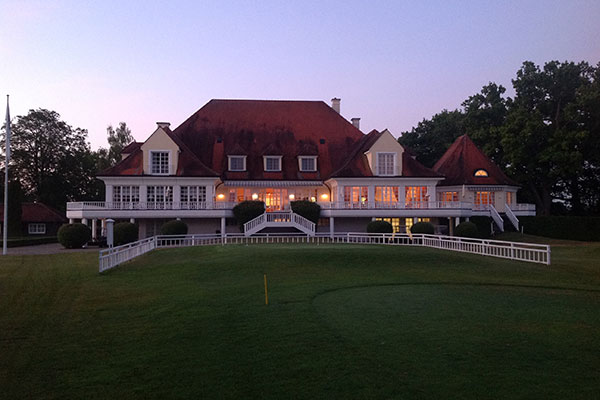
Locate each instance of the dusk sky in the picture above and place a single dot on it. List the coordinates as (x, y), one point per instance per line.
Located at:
(392, 63)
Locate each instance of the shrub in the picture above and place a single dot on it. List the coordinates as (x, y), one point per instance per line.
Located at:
(247, 211)
(563, 227)
(379, 227)
(484, 226)
(74, 236)
(175, 227)
(307, 209)
(466, 229)
(422, 227)
(125, 232)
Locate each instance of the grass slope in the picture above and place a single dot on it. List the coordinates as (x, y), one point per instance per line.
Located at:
(344, 321)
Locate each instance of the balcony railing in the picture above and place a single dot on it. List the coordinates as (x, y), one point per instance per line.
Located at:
(149, 205)
(395, 205)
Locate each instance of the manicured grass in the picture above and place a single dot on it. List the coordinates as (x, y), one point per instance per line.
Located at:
(343, 321)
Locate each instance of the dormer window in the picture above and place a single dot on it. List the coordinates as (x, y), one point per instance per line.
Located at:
(237, 163)
(159, 162)
(386, 164)
(481, 173)
(307, 163)
(272, 163)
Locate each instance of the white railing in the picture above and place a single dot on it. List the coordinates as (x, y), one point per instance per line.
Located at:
(512, 217)
(496, 217)
(523, 207)
(149, 205)
(255, 223)
(284, 218)
(394, 205)
(528, 252)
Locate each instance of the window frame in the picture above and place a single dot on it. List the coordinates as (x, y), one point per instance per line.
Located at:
(484, 171)
(266, 162)
(35, 231)
(394, 163)
(302, 158)
(231, 157)
(151, 164)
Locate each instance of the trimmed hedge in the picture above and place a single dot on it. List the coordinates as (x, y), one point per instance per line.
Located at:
(125, 232)
(467, 229)
(74, 236)
(423, 227)
(29, 241)
(379, 227)
(569, 228)
(175, 227)
(307, 209)
(247, 211)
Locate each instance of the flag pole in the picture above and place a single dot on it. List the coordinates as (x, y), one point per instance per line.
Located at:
(6, 160)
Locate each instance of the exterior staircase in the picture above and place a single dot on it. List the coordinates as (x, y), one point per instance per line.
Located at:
(279, 219)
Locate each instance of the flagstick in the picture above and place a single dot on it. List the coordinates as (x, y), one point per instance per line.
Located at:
(5, 233)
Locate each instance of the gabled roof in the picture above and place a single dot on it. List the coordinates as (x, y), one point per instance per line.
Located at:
(131, 147)
(462, 159)
(37, 212)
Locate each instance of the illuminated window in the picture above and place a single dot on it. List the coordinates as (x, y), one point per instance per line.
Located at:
(356, 194)
(483, 198)
(415, 195)
(509, 198)
(408, 222)
(481, 172)
(449, 196)
(395, 222)
(386, 194)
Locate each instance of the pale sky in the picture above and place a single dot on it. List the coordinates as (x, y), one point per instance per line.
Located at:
(392, 63)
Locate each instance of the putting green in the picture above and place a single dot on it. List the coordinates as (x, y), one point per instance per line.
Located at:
(436, 339)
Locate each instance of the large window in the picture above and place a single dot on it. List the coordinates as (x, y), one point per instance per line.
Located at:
(237, 163)
(126, 194)
(159, 162)
(386, 194)
(308, 164)
(191, 196)
(415, 196)
(36, 229)
(272, 163)
(356, 195)
(160, 197)
(386, 163)
(484, 198)
(448, 196)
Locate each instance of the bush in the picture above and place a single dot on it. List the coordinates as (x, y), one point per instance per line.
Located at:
(484, 226)
(175, 227)
(247, 211)
(380, 227)
(466, 229)
(422, 227)
(570, 228)
(74, 236)
(125, 232)
(307, 209)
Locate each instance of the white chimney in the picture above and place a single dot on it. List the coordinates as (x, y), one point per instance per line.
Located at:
(356, 123)
(335, 104)
(163, 124)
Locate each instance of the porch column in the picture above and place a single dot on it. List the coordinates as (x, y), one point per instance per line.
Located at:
(71, 220)
(402, 195)
(177, 197)
(371, 196)
(103, 227)
(84, 221)
(331, 227)
(109, 193)
(132, 220)
(456, 221)
(450, 226)
(223, 227)
(94, 229)
(210, 194)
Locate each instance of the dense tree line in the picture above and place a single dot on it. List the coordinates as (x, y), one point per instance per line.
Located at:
(547, 137)
(52, 162)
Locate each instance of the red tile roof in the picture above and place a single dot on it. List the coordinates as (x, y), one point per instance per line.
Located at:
(462, 159)
(131, 147)
(37, 212)
(268, 127)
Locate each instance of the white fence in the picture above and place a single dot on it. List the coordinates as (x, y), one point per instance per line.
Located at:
(529, 252)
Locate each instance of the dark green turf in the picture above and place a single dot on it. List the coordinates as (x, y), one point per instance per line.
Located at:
(344, 321)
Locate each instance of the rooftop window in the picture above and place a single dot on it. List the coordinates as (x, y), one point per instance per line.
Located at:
(272, 163)
(159, 162)
(481, 172)
(237, 163)
(307, 164)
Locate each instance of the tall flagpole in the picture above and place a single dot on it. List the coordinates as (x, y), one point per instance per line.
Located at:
(6, 160)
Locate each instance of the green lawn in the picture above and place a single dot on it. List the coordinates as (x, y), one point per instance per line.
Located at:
(344, 321)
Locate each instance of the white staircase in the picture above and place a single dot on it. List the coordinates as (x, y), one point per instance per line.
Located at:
(512, 217)
(496, 217)
(279, 219)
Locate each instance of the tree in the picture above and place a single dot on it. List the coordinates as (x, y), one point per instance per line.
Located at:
(15, 202)
(54, 160)
(431, 138)
(117, 140)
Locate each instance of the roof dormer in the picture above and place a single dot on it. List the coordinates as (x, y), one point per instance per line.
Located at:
(385, 156)
(161, 153)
